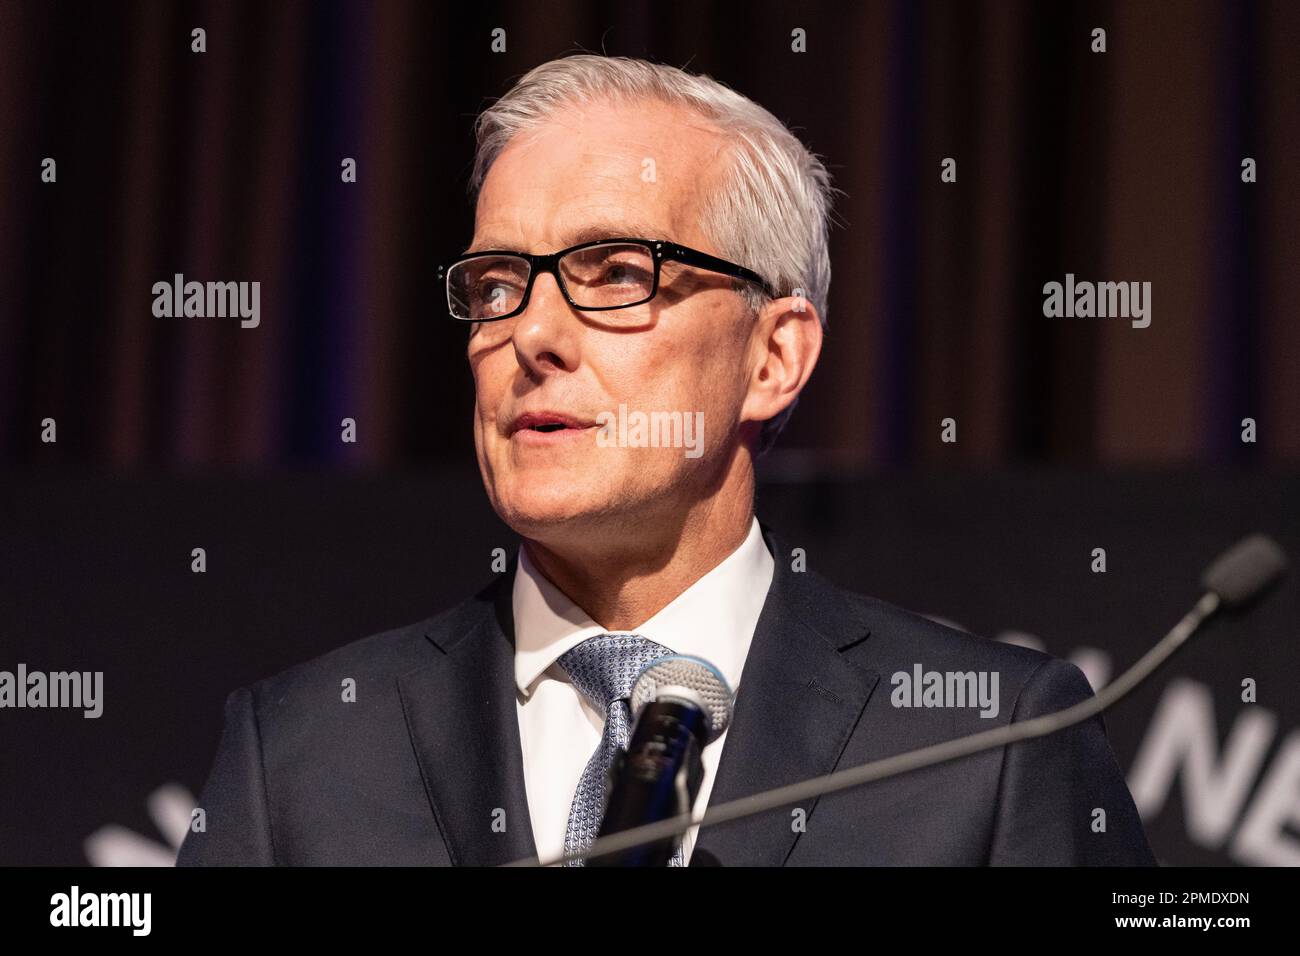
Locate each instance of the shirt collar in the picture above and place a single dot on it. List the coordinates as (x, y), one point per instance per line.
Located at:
(714, 618)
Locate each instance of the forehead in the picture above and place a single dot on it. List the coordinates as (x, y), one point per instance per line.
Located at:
(601, 169)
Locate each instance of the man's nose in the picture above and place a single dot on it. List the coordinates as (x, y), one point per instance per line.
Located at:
(545, 333)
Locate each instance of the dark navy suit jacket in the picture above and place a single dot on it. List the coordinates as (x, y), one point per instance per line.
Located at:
(425, 767)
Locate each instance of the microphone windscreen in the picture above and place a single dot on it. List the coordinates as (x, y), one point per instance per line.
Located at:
(1245, 571)
(701, 680)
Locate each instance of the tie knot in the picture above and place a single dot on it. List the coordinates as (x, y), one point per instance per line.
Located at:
(604, 667)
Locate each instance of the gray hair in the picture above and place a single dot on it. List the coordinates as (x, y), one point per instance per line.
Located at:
(773, 212)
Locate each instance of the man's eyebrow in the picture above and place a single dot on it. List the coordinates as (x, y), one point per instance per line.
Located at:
(587, 233)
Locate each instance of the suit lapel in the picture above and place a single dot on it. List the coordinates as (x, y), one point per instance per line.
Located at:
(798, 702)
(460, 712)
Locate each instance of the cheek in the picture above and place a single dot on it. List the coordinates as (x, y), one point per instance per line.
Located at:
(491, 378)
(487, 394)
(684, 372)
(715, 377)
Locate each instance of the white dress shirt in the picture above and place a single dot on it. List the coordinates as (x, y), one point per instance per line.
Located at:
(559, 729)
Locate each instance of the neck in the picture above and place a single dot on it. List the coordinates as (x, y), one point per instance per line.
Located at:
(624, 578)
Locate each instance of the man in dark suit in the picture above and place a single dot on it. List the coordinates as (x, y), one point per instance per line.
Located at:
(646, 294)
(424, 765)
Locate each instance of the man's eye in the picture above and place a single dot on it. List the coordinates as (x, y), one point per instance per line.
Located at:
(621, 273)
(495, 288)
(495, 296)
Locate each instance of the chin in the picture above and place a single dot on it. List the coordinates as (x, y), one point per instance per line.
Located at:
(545, 509)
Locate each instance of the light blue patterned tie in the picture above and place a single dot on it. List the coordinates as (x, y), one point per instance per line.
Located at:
(603, 669)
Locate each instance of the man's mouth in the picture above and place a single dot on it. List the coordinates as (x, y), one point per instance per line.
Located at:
(547, 423)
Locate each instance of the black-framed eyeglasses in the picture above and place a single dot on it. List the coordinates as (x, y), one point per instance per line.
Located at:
(594, 276)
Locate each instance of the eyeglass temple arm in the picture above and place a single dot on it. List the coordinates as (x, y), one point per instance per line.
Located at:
(703, 260)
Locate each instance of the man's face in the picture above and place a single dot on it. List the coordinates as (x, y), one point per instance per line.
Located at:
(639, 171)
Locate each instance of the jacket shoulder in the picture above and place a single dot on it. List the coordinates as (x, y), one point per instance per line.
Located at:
(899, 640)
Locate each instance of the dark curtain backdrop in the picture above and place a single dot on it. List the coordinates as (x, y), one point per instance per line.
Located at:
(225, 165)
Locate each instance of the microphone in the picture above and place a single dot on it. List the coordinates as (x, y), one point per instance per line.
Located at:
(1236, 579)
(680, 704)
(1245, 571)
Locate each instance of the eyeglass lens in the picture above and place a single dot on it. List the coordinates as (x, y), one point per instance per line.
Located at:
(596, 277)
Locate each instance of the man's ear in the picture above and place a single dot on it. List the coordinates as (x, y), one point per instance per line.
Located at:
(786, 343)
